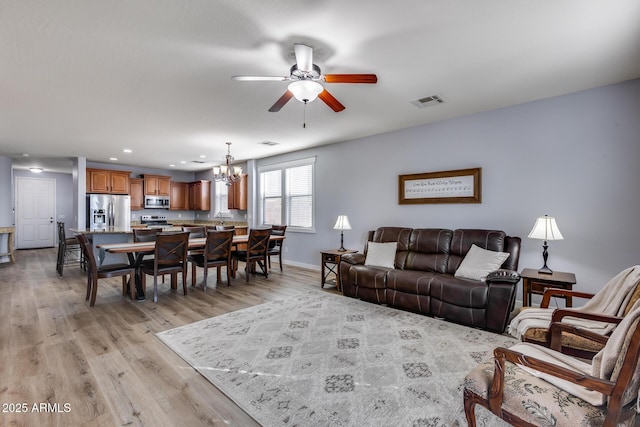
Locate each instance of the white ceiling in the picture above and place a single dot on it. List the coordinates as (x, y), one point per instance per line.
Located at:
(90, 78)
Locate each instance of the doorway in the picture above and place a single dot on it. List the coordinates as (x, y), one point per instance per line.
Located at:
(35, 212)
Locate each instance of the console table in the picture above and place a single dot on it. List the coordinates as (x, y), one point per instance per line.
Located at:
(535, 283)
(330, 262)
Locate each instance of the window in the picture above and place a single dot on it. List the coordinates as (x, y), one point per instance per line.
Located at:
(222, 197)
(286, 194)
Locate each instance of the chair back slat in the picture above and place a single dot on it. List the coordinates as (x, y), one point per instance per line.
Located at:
(195, 232)
(218, 246)
(258, 243)
(145, 234)
(171, 248)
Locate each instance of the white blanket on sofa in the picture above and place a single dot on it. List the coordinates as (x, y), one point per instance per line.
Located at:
(610, 300)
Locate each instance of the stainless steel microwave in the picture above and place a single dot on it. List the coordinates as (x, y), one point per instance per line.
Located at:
(156, 202)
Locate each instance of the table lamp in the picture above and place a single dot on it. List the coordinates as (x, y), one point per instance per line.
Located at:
(342, 224)
(545, 229)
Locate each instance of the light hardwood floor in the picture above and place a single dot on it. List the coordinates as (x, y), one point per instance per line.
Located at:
(69, 365)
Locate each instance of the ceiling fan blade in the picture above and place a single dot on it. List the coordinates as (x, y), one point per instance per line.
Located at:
(350, 78)
(331, 101)
(304, 57)
(280, 102)
(260, 78)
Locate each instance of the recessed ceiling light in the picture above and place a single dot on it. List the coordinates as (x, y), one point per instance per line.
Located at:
(25, 155)
(183, 162)
(36, 170)
(113, 158)
(172, 166)
(127, 150)
(202, 156)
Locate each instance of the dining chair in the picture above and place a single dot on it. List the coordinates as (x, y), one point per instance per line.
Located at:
(256, 252)
(69, 250)
(104, 271)
(275, 246)
(532, 385)
(217, 253)
(145, 234)
(169, 257)
(195, 231)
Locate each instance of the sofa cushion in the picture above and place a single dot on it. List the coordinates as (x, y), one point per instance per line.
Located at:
(381, 254)
(410, 281)
(478, 263)
(368, 277)
(492, 240)
(458, 291)
(395, 234)
(429, 250)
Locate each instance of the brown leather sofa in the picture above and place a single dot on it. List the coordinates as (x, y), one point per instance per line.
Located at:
(423, 278)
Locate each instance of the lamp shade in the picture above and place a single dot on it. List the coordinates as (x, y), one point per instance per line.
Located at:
(545, 228)
(342, 223)
(305, 90)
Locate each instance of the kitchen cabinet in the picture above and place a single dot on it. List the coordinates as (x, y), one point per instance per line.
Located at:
(179, 196)
(136, 190)
(157, 185)
(237, 198)
(104, 181)
(200, 195)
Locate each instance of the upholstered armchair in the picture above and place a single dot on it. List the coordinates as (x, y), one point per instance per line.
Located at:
(600, 315)
(531, 385)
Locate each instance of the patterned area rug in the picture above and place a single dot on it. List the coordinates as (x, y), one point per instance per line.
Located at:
(325, 360)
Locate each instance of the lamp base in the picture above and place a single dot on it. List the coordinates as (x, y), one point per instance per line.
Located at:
(545, 270)
(342, 248)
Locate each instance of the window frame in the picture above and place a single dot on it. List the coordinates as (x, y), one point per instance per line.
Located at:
(284, 197)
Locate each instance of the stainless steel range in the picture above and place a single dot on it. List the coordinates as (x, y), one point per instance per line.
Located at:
(154, 221)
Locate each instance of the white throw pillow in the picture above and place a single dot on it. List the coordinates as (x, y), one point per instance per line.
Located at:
(478, 263)
(381, 254)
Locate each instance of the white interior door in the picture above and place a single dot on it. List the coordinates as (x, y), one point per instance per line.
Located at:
(35, 212)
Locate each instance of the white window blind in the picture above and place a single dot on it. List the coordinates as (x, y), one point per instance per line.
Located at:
(286, 194)
(222, 197)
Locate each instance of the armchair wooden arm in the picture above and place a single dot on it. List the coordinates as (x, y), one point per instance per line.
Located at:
(549, 292)
(502, 354)
(555, 335)
(561, 313)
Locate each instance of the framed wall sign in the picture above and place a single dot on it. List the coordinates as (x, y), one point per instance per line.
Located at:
(457, 186)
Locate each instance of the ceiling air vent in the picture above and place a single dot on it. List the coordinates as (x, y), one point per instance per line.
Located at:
(200, 162)
(428, 100)
(268, 143)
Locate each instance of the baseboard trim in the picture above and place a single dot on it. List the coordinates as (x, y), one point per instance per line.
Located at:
(300, 264)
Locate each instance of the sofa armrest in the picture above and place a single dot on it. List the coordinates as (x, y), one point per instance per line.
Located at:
(503, 275)
(355, 258)
(502, 286)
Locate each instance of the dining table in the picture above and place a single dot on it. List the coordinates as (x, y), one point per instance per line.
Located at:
(136, 251)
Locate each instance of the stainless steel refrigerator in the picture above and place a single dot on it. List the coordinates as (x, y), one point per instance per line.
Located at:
(108, 211)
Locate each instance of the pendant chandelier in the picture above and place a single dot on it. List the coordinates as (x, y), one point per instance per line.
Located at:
(223, 173)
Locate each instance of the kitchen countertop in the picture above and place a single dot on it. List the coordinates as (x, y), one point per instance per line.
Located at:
(175, 226)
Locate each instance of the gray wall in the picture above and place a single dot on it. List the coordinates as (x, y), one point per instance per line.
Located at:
(573, 157)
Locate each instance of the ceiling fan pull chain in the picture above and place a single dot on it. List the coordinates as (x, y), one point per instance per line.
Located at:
(304, 115)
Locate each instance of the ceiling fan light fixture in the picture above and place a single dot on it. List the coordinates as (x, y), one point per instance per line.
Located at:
(305, 90)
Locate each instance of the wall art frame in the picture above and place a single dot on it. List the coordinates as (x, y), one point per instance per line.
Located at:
(454, 186)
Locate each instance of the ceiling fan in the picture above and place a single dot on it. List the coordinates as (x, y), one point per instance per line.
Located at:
(305, 77)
